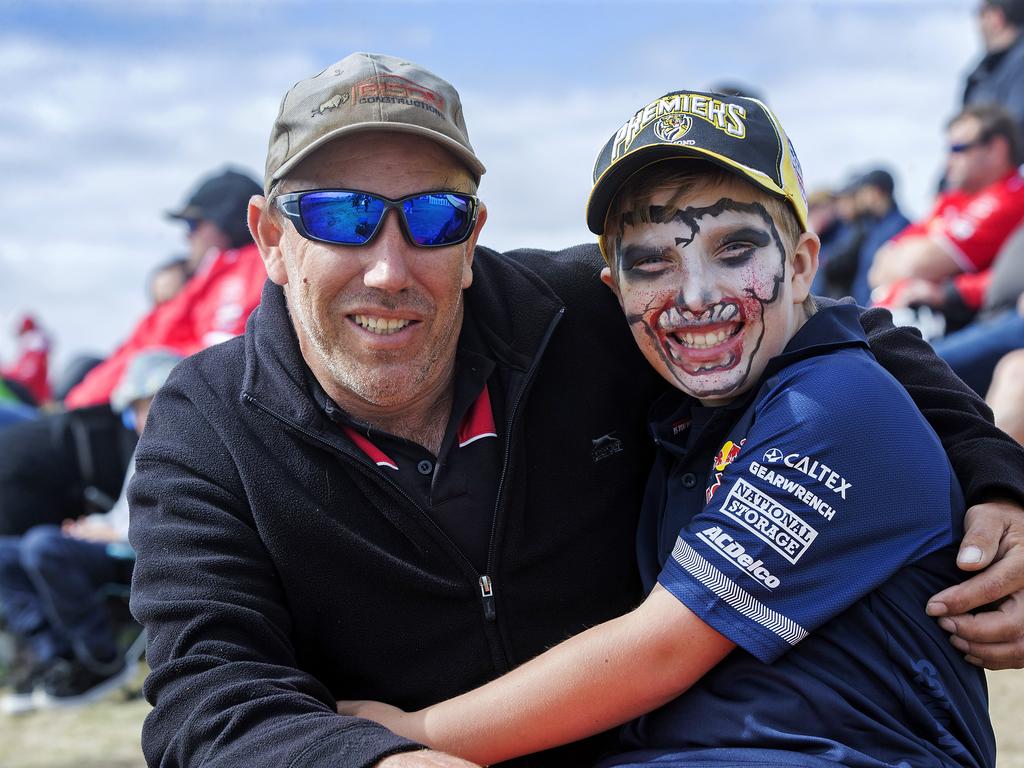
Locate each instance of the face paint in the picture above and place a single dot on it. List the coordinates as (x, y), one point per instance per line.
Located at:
(705, 292)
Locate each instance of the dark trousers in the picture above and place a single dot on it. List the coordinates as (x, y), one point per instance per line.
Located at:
(52, 592)
(973, 352)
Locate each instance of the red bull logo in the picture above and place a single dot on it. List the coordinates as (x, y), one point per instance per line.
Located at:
(726, 454)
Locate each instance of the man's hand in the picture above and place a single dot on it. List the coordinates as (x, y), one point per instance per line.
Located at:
(993, 541)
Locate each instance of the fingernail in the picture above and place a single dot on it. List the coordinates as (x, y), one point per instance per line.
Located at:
(935, 608)
(960, 644)
(947, 625)
(970, 555)
(974, 660)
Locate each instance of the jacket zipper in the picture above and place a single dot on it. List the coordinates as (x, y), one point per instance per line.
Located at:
(484, 581)
(362, 461)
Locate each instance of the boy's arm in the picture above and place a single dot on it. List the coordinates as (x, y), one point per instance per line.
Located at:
(598, 679)
(990, 467)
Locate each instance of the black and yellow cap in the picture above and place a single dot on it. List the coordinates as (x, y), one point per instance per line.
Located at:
(738, 133)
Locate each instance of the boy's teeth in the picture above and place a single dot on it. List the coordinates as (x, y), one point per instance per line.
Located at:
(702, 340)
(729, 312)
(380, 325)
(671, 318)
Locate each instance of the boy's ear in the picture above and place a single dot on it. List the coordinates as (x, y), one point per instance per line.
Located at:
(805, 265)
(607, 279)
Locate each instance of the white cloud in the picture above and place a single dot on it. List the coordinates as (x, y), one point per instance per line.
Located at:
(97, 141)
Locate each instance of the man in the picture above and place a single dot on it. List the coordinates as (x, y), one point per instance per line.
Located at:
(876, 202)
(226, 277)
(167, 279)
(999, 76)
(945, 257)
(419, 467)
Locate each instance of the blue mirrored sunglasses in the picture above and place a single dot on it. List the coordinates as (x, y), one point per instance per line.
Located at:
(351, 217)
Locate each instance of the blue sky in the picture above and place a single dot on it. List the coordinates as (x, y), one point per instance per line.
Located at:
(112, 110)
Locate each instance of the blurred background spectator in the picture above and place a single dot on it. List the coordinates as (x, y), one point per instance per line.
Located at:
(52, 582)
(31, 366)
(999, 76)
(69, 463)
(943, 261)
(167, 280)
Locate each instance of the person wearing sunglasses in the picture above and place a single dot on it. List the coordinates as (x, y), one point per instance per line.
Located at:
(945, 257)
(424, 461)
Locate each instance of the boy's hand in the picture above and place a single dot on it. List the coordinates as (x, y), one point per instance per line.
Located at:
(424, 758)
(407, 724)
(993, 541)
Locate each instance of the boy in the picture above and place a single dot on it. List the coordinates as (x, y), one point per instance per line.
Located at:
(813, 537)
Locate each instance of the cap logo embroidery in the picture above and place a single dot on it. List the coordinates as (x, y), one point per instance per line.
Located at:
(392, 89)
(672, 128)
(332, 103)
(728, 118)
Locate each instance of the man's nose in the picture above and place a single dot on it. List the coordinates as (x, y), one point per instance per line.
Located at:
(388, 257)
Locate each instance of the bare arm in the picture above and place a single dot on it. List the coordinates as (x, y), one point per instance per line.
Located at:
(593, 681)
(916, 256)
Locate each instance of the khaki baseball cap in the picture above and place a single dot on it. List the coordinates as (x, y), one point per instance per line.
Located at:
(367, 92)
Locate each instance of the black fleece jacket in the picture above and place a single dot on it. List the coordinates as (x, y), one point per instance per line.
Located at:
(279, 570)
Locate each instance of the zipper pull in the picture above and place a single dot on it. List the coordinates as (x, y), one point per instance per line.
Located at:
(487, 595)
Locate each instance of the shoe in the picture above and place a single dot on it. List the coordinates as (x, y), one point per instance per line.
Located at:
(72, 683)
(25, 677)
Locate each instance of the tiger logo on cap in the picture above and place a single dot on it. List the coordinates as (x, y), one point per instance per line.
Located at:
(672, 128)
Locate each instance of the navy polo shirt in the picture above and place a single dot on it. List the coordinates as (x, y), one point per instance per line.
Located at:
(809, 521)
(458, 487)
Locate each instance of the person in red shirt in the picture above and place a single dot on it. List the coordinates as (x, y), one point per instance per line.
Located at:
(55, 467)
(227, 278)
(31, 368)
(944, 258)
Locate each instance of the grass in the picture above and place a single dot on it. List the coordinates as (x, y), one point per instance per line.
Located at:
(106, 734)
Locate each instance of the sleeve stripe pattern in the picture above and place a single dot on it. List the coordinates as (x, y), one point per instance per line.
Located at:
(737, 598)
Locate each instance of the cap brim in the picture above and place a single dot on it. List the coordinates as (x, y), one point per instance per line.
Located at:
(612, 180)
(464, 155)
(188, 213)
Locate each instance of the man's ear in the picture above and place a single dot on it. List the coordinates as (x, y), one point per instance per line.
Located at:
(805, 265)
(481, 219)
(266, 231)
(607, 279)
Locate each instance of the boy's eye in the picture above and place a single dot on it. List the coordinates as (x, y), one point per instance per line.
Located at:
(737, 253)
(649, 262)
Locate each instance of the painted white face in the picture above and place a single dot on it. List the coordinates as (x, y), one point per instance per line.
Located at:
(706, 293)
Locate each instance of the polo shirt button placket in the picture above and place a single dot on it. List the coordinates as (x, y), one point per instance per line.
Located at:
(425, 467)
(689, 480)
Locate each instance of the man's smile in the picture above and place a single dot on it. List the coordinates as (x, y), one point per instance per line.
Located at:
(383, 326)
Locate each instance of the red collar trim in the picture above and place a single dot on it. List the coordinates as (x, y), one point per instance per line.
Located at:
(479, 421)
(375, 454)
